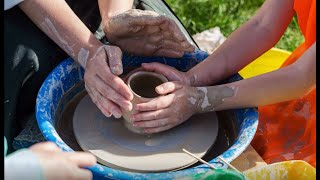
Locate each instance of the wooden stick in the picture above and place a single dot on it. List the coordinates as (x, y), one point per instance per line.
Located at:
(228, 164)
(204, 162)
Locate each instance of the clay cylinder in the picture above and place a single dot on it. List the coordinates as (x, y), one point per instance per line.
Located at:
(142, 84)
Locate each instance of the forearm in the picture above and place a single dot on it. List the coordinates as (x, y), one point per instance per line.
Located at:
(244, 45)
(57, 20)
(284, 84)
(109, 8)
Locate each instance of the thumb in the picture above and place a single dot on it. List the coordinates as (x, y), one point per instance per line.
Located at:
(168, 87)
(168, 71)
(115, 59)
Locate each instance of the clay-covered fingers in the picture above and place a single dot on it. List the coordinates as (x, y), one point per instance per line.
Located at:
(102, 103)
(150, 115)
(113, 81)
(111, 94)
(168, 53)
(152, 123)
(170, 72)
(156, 104)
(171, 31)
(115, 59)
(171, 44)
(139, 17)
(168, 87)
(145, 31)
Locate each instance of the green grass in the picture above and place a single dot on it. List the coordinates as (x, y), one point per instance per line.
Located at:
(199, 15)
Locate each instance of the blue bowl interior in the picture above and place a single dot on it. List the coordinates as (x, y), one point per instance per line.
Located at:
(56, 90)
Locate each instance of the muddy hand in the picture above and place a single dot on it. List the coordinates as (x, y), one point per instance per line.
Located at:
(168, 111)
(105, 88)
(146, 33)
(169, 72)
(56, 164)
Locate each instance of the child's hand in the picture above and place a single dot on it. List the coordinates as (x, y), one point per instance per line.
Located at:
(169, 72)
(62, 165)
(167, 111)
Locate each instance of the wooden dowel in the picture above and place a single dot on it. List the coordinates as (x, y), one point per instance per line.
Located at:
(228, 164)
(204, 162)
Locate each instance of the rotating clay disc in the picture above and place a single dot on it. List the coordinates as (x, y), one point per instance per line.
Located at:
(117, 147)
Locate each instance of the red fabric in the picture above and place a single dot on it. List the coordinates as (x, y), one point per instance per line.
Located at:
(287, 130)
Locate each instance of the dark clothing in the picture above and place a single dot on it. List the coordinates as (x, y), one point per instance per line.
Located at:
(30, 56)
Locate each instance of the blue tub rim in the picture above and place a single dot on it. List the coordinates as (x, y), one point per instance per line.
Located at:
(69, 71)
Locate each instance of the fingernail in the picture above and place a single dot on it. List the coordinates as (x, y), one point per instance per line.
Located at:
(116, 114)
(159, 88)
(117, 70)
(108, 114)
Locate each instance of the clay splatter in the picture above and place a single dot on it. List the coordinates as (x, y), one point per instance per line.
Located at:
(48, 27)
(83, 57)
(192, 100)
(205, 102)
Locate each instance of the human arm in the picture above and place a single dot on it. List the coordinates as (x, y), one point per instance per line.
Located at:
(46, 161)
(287, 83)
(290, 82)
(141, 32)
(57, 20)
(244, 45)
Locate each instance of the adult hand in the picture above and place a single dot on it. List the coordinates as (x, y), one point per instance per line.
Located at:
(167, 111)
(106, 89)
(146, 33)
(57, 164)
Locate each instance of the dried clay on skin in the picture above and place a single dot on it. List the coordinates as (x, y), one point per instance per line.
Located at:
(48, 27)
(215, 96)
(83, 57)
(205, 102)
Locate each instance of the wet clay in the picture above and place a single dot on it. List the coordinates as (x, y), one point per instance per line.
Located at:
(227, 133)
(145, 85)
(117, 147)
(142, 85)
(63, 122)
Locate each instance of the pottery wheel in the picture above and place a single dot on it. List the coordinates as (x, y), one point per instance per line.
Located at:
(116, 147)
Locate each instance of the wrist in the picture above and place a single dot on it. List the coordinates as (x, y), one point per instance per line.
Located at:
(108, 21)
(199, 96)
(190, 78)
(88, 52)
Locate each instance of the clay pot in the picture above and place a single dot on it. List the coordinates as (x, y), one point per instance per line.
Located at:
(142, 84)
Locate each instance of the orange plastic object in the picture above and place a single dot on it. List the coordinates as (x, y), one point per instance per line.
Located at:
(287, 130)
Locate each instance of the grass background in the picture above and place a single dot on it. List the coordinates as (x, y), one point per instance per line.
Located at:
(200, 15)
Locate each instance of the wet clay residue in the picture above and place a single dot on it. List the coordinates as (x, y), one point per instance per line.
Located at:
(226, 135)
(64, 124)
(138, 85)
